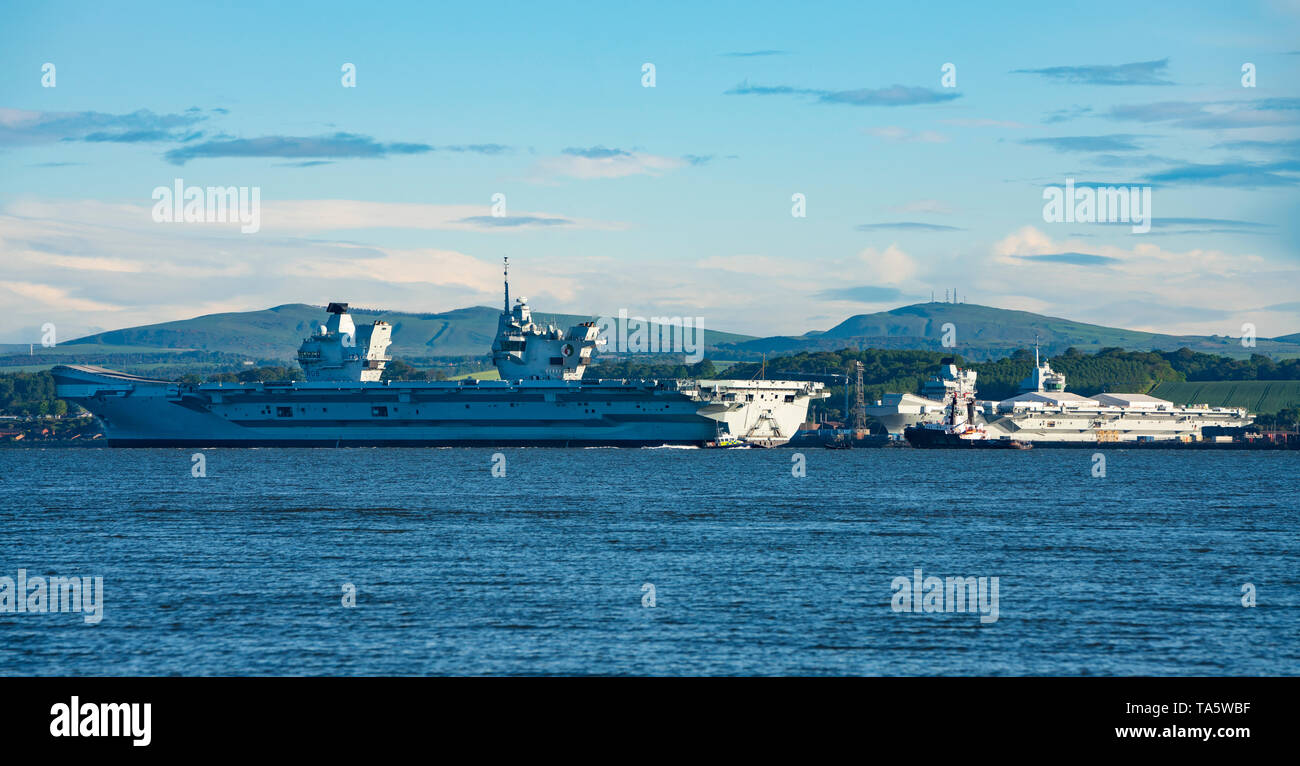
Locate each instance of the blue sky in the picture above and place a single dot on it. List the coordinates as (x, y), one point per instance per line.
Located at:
(671, 200)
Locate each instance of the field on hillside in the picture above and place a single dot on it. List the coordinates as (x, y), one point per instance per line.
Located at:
(1266, 396)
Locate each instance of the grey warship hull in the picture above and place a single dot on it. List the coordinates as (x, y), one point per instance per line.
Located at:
(141, 412)
(541, 400)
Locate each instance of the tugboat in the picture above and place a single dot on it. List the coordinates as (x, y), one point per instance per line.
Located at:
(959, 429)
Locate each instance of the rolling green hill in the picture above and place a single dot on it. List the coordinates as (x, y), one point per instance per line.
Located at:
(984, 332)
(1255, 395)
(277, 332)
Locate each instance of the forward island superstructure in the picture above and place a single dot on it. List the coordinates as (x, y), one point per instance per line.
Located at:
(541, 400)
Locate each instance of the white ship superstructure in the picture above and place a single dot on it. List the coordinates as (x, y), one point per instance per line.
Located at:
(542, 399)
(1044, 412)
(524, 350)
(339, 351)
(961, 425)
(898, 411)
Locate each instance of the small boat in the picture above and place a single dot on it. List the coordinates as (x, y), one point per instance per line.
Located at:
(1004, 443)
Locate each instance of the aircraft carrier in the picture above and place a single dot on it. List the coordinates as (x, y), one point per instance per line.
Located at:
(541, 399)
(1044, 414)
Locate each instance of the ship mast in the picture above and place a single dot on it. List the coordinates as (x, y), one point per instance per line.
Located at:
(859, 405)
(505, 277)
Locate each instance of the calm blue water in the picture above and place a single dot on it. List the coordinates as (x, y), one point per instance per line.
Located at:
(755, 571)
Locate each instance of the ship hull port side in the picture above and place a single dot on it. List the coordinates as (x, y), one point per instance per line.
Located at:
(541, 399)
(145, 413)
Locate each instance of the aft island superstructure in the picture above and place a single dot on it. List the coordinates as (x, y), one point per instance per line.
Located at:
(542, 399)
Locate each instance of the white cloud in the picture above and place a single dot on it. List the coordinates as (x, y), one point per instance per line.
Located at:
(115, 268)
(891, 266)
(618, 165)
(317, 215)
(326, 215)
(94, 265)
(50, 296)
(1198, 291)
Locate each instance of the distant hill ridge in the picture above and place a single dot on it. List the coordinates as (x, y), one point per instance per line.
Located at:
(980, 332)
(278, 331)
(986, 332)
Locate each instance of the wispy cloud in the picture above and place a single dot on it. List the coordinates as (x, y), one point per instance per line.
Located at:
(1073, 259)
(313, 217)
(1067, 114)
(1175, 226)
(337, 146)
(1115, 142)
(516, 221)
(132, 137)
(895, 95)
(1136, 73)
(745, 89)
(1213, 115)
(20, 127)
(1140, 283)
(604, 162)
(1209, 222)
(905, 226)
(1130, 160)
(476, 148)
(1286, 146)
(862, 294)
(596, 152)
(1243, 175)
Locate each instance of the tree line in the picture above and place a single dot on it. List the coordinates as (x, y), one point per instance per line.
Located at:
(884, 371)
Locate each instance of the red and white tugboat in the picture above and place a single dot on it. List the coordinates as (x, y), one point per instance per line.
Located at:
(960, 427)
